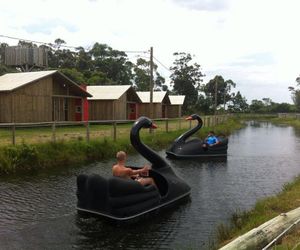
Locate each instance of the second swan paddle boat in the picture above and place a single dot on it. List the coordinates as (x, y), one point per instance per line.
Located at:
(123, 199)
(193, 148)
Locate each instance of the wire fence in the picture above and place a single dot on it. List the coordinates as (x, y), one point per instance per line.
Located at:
(273, 244)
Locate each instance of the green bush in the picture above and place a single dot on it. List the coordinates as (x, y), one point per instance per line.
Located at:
(21, 157)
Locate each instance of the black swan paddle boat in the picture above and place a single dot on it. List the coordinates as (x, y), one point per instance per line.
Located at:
(122, 199)
(193, 148)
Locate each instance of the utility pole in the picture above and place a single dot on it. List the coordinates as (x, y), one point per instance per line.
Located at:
(151, 83)
(216, 99)
(216, 94)
(225, 92)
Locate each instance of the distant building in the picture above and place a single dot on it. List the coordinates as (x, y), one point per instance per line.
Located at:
(26, 58)
(160, 102)
(175, 108)
(40, 96)
(113, 102)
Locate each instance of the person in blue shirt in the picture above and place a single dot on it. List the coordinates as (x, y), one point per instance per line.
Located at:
(210, 140)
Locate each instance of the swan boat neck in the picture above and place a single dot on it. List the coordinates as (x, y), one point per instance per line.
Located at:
(184, 147)
(120, 199)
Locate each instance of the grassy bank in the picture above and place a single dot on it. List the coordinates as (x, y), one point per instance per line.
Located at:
(288, 121)
(32, 157)
(266, 209)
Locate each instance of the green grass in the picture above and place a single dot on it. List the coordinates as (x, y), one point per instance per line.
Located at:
(79, 132)
(27, 157)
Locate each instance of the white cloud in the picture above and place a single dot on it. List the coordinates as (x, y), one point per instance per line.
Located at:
(253, 42)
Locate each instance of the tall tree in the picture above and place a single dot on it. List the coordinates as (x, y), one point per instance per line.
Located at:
(218, 87)
(238, 103)
(257, 106)
(186, 78)
(113, 63)
(142, 76)
(296, 94)
(83, 59)
(60, 58)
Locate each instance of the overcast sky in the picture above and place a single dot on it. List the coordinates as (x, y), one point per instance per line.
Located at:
(255, 43)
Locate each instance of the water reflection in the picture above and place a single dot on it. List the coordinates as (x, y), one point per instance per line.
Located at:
(147, 233)
(38, 211)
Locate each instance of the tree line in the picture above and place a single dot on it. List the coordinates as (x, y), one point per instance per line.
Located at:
(103, 65)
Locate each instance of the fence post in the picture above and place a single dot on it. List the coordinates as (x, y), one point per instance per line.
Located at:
(167, 125)
(87, 131)
(53, 132)
(115, 131)
(13, 134)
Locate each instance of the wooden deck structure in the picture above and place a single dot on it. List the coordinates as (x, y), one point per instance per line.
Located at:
(113, 102)
(160, 102)
(40, 96)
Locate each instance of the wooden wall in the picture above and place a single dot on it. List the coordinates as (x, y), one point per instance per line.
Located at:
(174, 111)
(108, 109)
(60, 89)
(33, 102)
(121, 108)
(5, 107)
(59, 113)
(101, 110)
(144, 110)
(17, 55)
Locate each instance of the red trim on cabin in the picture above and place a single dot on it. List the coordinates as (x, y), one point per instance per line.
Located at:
(85, 105)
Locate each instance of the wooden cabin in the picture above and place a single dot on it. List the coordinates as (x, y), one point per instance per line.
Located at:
(41, 96)
(174, 109)
(113, 102)
(160, 101)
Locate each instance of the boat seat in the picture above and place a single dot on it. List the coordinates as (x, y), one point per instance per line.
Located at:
(115, 195)
(128, 197)
(223, 140)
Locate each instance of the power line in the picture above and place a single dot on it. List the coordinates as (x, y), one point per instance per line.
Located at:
(132, 51)
(32, 41)
(163, 65)
(62, 45)
(74, 47)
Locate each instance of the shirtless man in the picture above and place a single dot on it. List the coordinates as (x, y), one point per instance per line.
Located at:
(120, 170)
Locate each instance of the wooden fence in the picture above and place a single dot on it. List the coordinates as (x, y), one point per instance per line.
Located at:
(14, 133)
(289, 115)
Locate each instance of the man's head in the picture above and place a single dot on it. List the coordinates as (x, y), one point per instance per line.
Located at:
(121, 156)
(211, 133)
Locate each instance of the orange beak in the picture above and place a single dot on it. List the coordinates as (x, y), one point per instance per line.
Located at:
(189, 118)
(153, 125)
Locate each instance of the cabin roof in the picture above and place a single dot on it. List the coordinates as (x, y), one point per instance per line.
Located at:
(177, 99)
(158, 96)
(110, 92)
(12, 81)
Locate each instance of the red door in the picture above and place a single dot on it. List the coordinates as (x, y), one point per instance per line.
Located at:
(132, 114)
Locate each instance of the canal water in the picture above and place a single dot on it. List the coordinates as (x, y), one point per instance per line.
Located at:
(39, 212)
